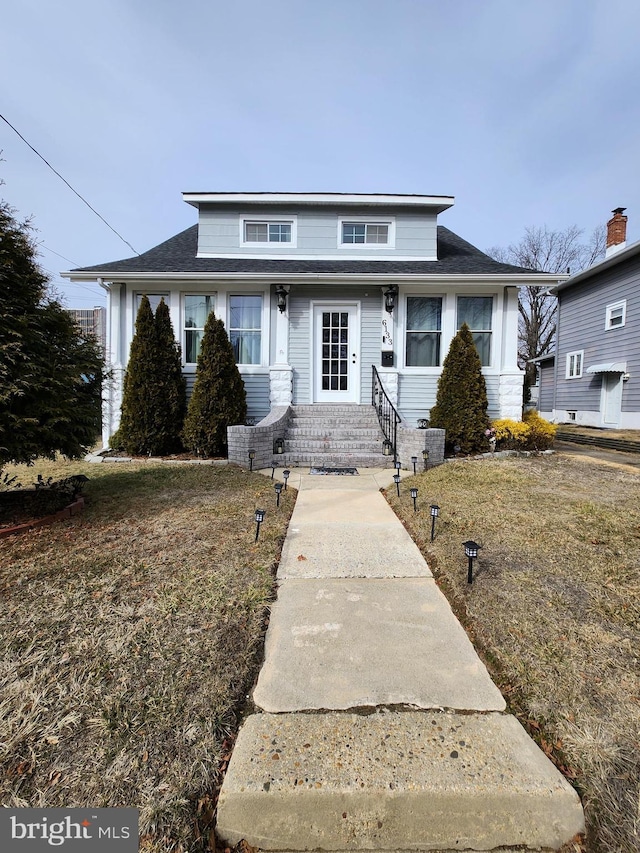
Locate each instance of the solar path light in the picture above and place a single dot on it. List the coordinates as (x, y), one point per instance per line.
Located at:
(273, 467)
(259, 520)
(278, 487)
(397, 465)
(252, 456)
(471, 549)
(414, 496)
(285, 474)
(396, 480)
(414, 460)
(434, 509)
(425, 458)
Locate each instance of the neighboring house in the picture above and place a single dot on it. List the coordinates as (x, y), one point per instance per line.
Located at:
(93, 322)
(315, 290)
(593, 378)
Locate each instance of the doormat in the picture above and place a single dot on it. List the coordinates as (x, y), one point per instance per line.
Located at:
(339, 471)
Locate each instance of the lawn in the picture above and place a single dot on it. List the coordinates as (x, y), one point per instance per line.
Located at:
(130, 637)
(554, 610)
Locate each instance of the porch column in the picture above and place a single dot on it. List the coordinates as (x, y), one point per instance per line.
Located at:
(281, 373)
(511, 377)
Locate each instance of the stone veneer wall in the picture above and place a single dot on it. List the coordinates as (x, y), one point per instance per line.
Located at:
(511, 395)
(242, 439)
(411, 442)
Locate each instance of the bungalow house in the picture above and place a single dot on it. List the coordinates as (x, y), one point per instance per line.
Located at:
(330, 300)
(593, 378)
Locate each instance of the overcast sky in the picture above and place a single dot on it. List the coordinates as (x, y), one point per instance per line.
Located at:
(527, 112)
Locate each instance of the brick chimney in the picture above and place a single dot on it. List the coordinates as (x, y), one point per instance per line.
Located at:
(616, 231)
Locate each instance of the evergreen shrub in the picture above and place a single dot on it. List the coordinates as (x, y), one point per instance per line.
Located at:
(531, 433)
(219, 399)
(461, 401)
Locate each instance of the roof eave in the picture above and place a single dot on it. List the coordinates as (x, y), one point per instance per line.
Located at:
(601, 266)
(437, 203)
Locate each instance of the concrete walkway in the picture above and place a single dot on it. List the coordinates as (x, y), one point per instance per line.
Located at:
(380, 728)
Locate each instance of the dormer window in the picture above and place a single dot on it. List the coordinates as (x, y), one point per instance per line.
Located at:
(373, 233)
(269, 231)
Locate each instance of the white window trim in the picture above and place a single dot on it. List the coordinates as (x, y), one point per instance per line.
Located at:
(491, 332)
(613, 306)
(373, 220)
(183, 336)
(416, 368)
(573, 355)
(264, 327)
(284, 220)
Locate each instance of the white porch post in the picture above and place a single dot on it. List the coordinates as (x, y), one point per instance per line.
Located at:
(511, 377)
(281, 373)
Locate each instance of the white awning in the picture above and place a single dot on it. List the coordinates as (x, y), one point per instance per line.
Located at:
(612, 367)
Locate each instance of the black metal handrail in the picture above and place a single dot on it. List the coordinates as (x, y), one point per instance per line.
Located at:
(388, 417)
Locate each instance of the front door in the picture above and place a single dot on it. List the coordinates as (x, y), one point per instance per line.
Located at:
(611, 402)
(336, 348)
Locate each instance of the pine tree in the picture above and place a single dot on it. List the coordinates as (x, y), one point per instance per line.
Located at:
(171, 386)
(219, 398)
(137, 431)
(50, 374)
(461, 401)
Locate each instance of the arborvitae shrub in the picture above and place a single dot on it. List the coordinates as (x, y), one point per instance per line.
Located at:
(155, 393)
(461, 401)
(171, 386)
(219, 399)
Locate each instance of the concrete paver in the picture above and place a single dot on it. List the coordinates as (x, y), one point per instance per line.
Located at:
(389, 781)
(347, 643)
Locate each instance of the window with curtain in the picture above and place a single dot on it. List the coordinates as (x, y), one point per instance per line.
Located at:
(423, 331)
(476, 312)
(197, 308)
(245, 328)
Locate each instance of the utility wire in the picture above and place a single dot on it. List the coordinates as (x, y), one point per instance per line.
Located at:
(37, 153)
(42, 246)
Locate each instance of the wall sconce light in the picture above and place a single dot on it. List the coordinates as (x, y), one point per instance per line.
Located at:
(414, 496)
(390, 296)
(434, 509)
(252, 456)
(281, 295)
(425, 458)
(414, 462)
(259, 519)
(278, 487)
(285, 474)
(396, 480)
(278, 446)
(387, 447)
(471, 549)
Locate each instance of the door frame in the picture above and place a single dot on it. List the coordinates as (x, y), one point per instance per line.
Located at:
(611, 393)
(317, 306)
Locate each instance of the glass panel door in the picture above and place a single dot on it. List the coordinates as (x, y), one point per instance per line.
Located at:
(336, 354)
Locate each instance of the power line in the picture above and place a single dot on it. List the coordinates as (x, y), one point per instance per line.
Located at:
(37, 153)
(42, 246)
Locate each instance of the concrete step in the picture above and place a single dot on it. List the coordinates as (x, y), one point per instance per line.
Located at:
(321, 445)
(331, 459)
(334, 433)
(332, 409)
(334, 423)
(425, 780)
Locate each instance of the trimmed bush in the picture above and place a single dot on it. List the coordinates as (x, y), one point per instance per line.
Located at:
(154, 393)
(532, 433)
(219, 399)
(461, 402)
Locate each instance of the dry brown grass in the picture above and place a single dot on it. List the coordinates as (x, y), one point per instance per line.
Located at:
(554, 609)
(130, 637)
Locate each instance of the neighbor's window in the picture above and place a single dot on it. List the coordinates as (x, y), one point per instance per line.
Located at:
(476, 312)
(154, 300)
(574, 364)
(424, 327)
(616, 314)
(373, 233)
(197, 308)
(245, 323)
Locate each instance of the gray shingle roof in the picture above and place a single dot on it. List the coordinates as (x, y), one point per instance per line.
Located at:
(178, 254)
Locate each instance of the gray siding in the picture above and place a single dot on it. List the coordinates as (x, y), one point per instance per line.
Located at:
(545, 401)
(417, 395)
(219, 232)
(257, 388)
(581, 326)
(300, 339)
